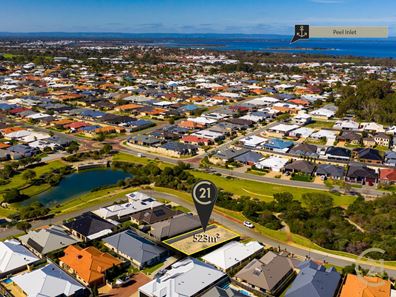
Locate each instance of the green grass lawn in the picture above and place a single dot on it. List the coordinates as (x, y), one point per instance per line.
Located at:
(17, 181)
(320, 124)
(264, 191)
(279, 235)
(91, 199)
(122, 157)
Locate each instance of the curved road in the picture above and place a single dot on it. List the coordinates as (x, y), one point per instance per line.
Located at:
(301, 252)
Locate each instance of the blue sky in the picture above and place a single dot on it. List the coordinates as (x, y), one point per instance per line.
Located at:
(190, 16)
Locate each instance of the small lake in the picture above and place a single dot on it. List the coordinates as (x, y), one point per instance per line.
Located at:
(78, 183)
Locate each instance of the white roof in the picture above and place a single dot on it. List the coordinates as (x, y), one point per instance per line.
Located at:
(232, 253)
(14, 255)
(373, 127)
(346, 125)
(208, 134)
(185, 278)
(229, 94)
(18, 134)
(265, 100)
(34, 136)
(324, 133)
(302, 132)
(49, 280)
(274, 163)
(283, 128)
(202, 120)
(38, 115)
(137, 202)
(323, 112)
(253, 118)
(253, 140)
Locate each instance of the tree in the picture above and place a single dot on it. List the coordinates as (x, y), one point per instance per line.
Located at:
(29, 175)
(23, 226)
(317, 202)
(12, 195)
(107, 148)
(73, 147)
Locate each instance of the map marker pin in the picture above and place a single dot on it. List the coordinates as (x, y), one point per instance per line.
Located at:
(204, 194)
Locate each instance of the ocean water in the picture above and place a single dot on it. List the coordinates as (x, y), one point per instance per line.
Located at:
(380, 48)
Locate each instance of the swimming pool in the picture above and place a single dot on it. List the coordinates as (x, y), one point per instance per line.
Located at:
(7, 281)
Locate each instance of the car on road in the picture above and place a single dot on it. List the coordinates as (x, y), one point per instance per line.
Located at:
(248, 224)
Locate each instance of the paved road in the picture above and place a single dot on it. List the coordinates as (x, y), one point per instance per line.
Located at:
(227, 172)
(301, 252)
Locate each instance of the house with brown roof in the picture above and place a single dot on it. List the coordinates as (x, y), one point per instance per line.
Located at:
(269, 275)
(382, 139)
(365, 286)
(88, 265)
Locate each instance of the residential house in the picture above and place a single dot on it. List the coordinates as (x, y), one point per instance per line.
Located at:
(382, 139)
(268, 275)
(144, 140)
(249, 158)
(220, 292)
(140, 251)
(49, 280)
(47, 240)
(338, 153)
(252, 141)
(359, 173)
(369, 141)
(192, 139)
(273, 163)
(347, 125)
(302, 166)
(88, 265)
(14, 257)
(227, 155)
(323, 113)
(89, 226)
(281, 130)
(330, 171)
(371, 286)
(314, 280)
(154, 215)
(390, 158)
(181, 280)
(305, 150)
(350, 137)
(137, 203)
(232, 254)
(177, 149)
(387, 175)
(20, 151)
(302, 119)
(302, 132)
(177, 225)
(278, 145)
(368, 155)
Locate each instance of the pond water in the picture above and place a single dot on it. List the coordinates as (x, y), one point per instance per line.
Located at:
(76, 184)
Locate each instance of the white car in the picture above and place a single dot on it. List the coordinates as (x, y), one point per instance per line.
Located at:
(248, 224)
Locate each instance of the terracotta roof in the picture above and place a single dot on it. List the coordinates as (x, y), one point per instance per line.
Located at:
(89, 263)
(356, 287)
(11, 129)
(388, 174)
(4, 145)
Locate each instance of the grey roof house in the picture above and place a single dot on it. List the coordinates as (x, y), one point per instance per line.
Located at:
(220, 292)
(140, 251)
(300, 166)
(47, 240)
(270, 274)
(305, 149)
(175, 226)
(330, 171)
(314, 280)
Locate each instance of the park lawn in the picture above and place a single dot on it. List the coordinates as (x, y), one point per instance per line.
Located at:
(123, 157)
(35, 190)
(8, 56)
(5, 212)
(265, 191)
(17, 181)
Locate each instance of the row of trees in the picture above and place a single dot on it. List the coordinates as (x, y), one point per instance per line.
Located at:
(370, 100)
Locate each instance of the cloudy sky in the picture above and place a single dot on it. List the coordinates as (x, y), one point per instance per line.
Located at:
(191, 16)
